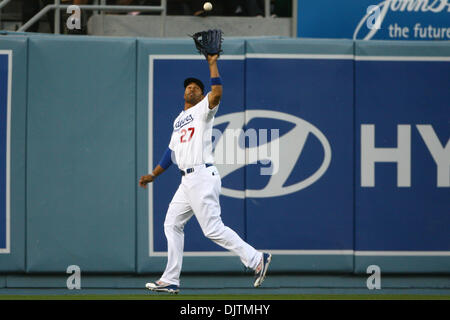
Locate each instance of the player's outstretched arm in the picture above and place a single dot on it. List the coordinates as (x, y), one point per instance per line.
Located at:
(216, 84)
(148, 178)
(166, 161)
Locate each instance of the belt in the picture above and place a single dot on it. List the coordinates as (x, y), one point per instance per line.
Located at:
(190, 170)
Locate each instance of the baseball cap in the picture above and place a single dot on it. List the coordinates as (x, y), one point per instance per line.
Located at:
(196, 81)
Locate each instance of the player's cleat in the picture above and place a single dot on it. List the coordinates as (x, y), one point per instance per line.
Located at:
(162, 287)
(261, 273)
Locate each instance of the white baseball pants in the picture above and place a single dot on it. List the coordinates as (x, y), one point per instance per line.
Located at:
(198, 194)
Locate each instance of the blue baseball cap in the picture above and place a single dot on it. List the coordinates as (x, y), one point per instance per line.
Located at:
(196, 81)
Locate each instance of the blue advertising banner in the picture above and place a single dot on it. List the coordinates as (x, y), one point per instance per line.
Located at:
(5, 100)
(374, 19)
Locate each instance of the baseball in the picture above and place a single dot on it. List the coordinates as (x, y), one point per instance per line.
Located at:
(207, 6)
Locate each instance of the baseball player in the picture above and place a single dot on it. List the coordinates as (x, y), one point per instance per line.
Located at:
(199, 190)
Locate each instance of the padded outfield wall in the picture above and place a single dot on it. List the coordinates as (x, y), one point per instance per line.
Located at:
(362, 174)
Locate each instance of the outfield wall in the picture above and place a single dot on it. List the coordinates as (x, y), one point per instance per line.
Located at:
(362, 174)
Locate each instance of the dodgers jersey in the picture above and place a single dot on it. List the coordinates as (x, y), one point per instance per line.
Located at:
(192, 134)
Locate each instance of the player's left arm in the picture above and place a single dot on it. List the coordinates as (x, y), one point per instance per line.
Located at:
(216, 84)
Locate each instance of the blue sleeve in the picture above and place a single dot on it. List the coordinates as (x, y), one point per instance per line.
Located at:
(166, 159)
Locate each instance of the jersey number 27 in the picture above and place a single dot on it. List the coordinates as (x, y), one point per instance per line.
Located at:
(184, 133)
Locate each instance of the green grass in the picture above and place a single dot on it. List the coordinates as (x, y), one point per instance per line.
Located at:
(229, 297)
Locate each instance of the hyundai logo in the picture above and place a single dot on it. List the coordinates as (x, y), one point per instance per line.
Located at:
(289, 145)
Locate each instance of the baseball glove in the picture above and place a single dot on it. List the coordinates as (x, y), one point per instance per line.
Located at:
(208, 42)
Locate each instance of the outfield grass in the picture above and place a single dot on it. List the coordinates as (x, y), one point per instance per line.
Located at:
(230, 297)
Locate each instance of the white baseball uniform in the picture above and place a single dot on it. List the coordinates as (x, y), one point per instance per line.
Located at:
(198, 192)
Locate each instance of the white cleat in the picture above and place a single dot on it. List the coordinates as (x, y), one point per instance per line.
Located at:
(162, 287)
(261, 274)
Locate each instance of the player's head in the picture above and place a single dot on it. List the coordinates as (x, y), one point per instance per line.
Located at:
(193, 90)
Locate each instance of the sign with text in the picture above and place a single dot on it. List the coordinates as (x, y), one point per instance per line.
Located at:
(375, 19)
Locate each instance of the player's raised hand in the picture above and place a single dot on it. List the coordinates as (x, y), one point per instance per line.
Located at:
(212, 58)
(144, 180)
